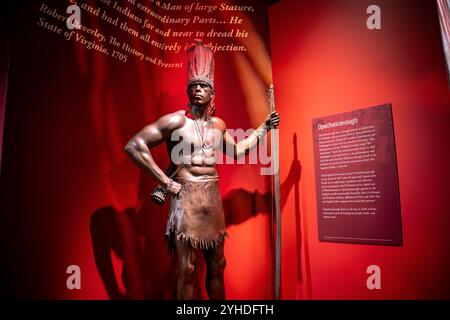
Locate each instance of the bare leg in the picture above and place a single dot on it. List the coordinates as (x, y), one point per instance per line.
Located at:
(186, 269)
(215, 266)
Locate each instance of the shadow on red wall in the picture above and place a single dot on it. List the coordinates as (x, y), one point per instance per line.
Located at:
(135, 240)
(326, 61)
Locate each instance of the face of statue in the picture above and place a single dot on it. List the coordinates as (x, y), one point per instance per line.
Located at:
(200, 94)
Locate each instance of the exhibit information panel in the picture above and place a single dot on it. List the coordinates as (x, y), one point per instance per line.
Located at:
(358, 198)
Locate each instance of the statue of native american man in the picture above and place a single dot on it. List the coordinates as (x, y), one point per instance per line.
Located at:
(196, 222)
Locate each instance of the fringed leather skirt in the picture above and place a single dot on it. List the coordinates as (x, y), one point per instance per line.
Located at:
(196, 215)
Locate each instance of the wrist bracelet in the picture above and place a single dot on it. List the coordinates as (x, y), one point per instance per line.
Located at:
(261, 132)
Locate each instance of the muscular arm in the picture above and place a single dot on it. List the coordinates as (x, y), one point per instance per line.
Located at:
(138, 148)
(243, 147)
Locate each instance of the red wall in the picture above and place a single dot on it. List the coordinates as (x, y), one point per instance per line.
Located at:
(66, 180)
(69, 112)
(325, 61)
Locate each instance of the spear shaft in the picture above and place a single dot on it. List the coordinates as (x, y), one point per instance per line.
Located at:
(276, 182)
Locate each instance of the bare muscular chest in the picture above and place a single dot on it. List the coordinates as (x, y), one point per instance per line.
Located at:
(195, 143)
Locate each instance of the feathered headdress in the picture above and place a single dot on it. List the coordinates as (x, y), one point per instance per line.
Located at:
(200, 64)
